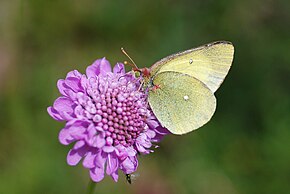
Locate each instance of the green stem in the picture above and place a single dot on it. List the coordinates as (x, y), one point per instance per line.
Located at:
(91, 187)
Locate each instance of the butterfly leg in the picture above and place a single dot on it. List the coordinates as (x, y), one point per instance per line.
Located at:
(141, 85)
(155, 87)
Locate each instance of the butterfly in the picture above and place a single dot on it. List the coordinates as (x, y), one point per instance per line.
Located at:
(182, 85)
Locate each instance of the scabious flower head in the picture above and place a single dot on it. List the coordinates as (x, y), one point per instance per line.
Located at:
(107, 118)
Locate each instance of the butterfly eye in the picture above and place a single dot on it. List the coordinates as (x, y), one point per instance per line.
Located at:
(137, 74)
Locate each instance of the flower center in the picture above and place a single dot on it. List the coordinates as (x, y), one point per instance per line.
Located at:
(120, 111)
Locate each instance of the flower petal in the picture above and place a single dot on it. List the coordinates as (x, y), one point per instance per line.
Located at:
(74, 73)
(99, 67)
(100, 159)
(64, 105)
(119, 68)
(161, 130)
(150, 133)
(112, 164)
(152, 123)
(89, 159)
(131, 151)
(140, 148)
(62, 87)
(108, 149)
(73, 132)
(83, 81)
(129, 165)
(97, 174)
(100, 141)
(54, 114)
(74, 84)
(74, 156)
(79, 144)
(64, 137)
(115, 176)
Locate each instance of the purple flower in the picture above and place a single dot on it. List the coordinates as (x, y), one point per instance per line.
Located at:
(107, 118)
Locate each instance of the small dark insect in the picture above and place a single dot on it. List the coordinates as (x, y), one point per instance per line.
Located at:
(128, 178)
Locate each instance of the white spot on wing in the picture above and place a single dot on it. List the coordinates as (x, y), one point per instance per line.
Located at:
(185, 97)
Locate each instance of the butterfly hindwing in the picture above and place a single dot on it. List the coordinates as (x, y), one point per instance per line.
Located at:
(181, 103)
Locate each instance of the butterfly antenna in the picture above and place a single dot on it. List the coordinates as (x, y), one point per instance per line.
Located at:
(126, 63)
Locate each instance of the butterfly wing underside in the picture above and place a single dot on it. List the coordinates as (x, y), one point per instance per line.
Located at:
(182, 103)
(209, 63)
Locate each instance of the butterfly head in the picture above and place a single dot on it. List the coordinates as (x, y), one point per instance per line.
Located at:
(144, 72)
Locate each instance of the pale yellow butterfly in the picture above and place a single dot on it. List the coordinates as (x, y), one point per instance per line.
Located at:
(183, 85)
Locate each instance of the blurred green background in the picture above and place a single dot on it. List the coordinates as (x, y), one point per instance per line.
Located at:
(244, 149)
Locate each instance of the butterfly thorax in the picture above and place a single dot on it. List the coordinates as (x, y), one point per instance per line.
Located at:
(145, 72)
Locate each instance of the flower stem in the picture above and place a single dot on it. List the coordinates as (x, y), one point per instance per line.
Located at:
(91, 187)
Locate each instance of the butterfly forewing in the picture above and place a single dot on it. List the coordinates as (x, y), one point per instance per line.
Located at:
(181, 103)
(209, 63)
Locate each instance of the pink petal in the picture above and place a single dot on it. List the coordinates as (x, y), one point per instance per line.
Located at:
(62, 87)
(161, 130)
(122, 154)
(64, 137)
(119, 68)
(79, 144)
(67, 116)
(89, 159)
(97, 174)
(54, 114)
(157, 138)
(152, 123)
(75, 156)
(108, 149)
(140, 148)
(74, 73)
(71, 94)
(129, 165)
(112, 164)
(83, 81)
(131, 151)
(100, 141)
(100, 159)
(115, 176)
(144, 141)
(63, 104)
(79, 111)
(150, 133)
(99, 67)
(74, 84)
(73, 132)
(91, 131)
